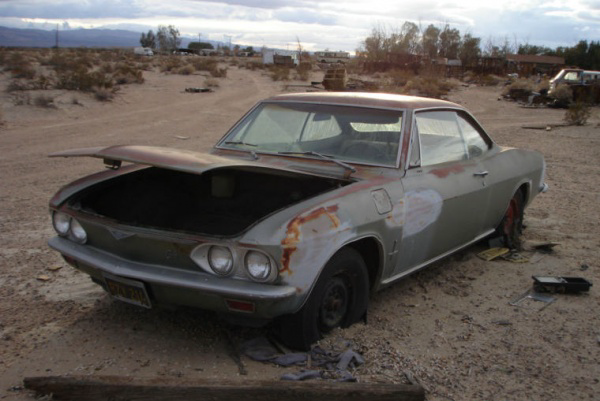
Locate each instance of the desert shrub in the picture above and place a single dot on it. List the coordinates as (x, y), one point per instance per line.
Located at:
(577, 114)
(42, 82)
(19, 66)
(400, 77)
(21, 98)
(280, 73)
(303, 71)
(490, 80)
(419, 86)
(16, 85)
(43, 101)
(255, 64)
(211, 83)
(170, 64)
(127, 73)
(562, 94)
(83, 80)
(187, 69)
(219, 73)
(104, 94)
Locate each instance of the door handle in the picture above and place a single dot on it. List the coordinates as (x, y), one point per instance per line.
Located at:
(481, 174)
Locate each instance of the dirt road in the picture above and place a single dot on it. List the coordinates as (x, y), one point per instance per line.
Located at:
(450, 326)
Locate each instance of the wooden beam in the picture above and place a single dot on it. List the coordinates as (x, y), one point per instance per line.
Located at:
(116, 388)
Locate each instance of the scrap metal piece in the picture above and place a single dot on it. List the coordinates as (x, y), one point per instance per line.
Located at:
(530, 294)
(493, 253)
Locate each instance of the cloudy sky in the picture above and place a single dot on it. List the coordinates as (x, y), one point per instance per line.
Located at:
(318, 24)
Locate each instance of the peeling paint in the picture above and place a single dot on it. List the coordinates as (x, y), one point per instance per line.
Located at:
(421, 209)
(294, 234)
(446, 171)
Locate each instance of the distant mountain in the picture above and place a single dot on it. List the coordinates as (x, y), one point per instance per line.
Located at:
(69, 38)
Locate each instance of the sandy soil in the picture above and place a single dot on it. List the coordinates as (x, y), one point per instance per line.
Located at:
(450, 326)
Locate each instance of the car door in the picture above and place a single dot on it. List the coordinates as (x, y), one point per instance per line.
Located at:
(445, 196)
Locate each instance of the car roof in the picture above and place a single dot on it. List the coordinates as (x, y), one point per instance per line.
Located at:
(364, 99)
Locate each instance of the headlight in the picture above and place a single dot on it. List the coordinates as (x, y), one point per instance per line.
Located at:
(61, 223)
(220, 260)
(258, 266)
(77, 232)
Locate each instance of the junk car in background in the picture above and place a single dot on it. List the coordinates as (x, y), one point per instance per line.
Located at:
(309, 204)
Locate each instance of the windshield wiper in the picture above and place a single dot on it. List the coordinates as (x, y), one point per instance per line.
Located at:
(239, 143)
(322, 156)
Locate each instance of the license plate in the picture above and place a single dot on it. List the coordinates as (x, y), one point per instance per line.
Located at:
(131, 291)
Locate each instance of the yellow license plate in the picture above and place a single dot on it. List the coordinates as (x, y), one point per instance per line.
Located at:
(127, 290)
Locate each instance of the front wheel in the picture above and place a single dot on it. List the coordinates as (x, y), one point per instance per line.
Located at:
(338, 299)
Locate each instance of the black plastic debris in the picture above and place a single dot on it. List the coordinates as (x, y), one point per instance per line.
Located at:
(564, 285)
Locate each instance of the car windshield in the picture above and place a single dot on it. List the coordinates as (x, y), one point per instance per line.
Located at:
(352, 134)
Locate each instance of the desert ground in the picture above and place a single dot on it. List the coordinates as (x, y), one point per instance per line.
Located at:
(450, 327)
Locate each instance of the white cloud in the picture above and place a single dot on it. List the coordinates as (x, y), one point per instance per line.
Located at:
(321, 23)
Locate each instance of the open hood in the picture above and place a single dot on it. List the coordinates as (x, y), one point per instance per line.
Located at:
(173, 159)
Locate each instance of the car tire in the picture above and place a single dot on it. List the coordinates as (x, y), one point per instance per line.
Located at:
(339, 298)
(511, 226)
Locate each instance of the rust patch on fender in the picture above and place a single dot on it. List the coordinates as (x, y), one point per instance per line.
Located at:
(293, 233)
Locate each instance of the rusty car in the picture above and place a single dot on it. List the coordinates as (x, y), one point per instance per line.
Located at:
(310, 203)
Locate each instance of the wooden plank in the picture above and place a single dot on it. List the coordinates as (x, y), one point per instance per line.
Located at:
(114, 388)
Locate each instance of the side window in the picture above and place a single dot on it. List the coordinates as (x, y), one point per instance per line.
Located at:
(440, 137)
(476, 144)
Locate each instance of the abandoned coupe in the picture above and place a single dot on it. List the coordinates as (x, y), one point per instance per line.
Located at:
(310, 203)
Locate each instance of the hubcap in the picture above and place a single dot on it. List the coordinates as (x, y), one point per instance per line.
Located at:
(335, 304)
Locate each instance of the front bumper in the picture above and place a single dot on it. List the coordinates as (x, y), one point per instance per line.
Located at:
(168, 285)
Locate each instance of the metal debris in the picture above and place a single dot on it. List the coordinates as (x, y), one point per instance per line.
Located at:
(493, 253)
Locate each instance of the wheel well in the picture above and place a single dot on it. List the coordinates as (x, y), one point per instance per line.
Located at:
(525, 192)
(370, 251)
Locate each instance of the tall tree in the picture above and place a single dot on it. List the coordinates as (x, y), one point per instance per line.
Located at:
(148, 40)
(449, 42)
(168, 38)
(431, 41)
(469, 50)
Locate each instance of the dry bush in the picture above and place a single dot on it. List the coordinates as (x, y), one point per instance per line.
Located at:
(128, 73)
(170, 64)
(187, 69)
(522, 84)
(19, 65)
(490, 80)
(219, 73)
(280, 73)
(83, 80)
(21, 98)
(400, 77)
(303, 70)
(16, 86)
(211, 83)
(577, 114)
(562, 95)
(44, 101)
(405, 82)
(104, 94)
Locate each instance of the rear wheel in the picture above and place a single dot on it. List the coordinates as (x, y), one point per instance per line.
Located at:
(511, 226)
(339, 299)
